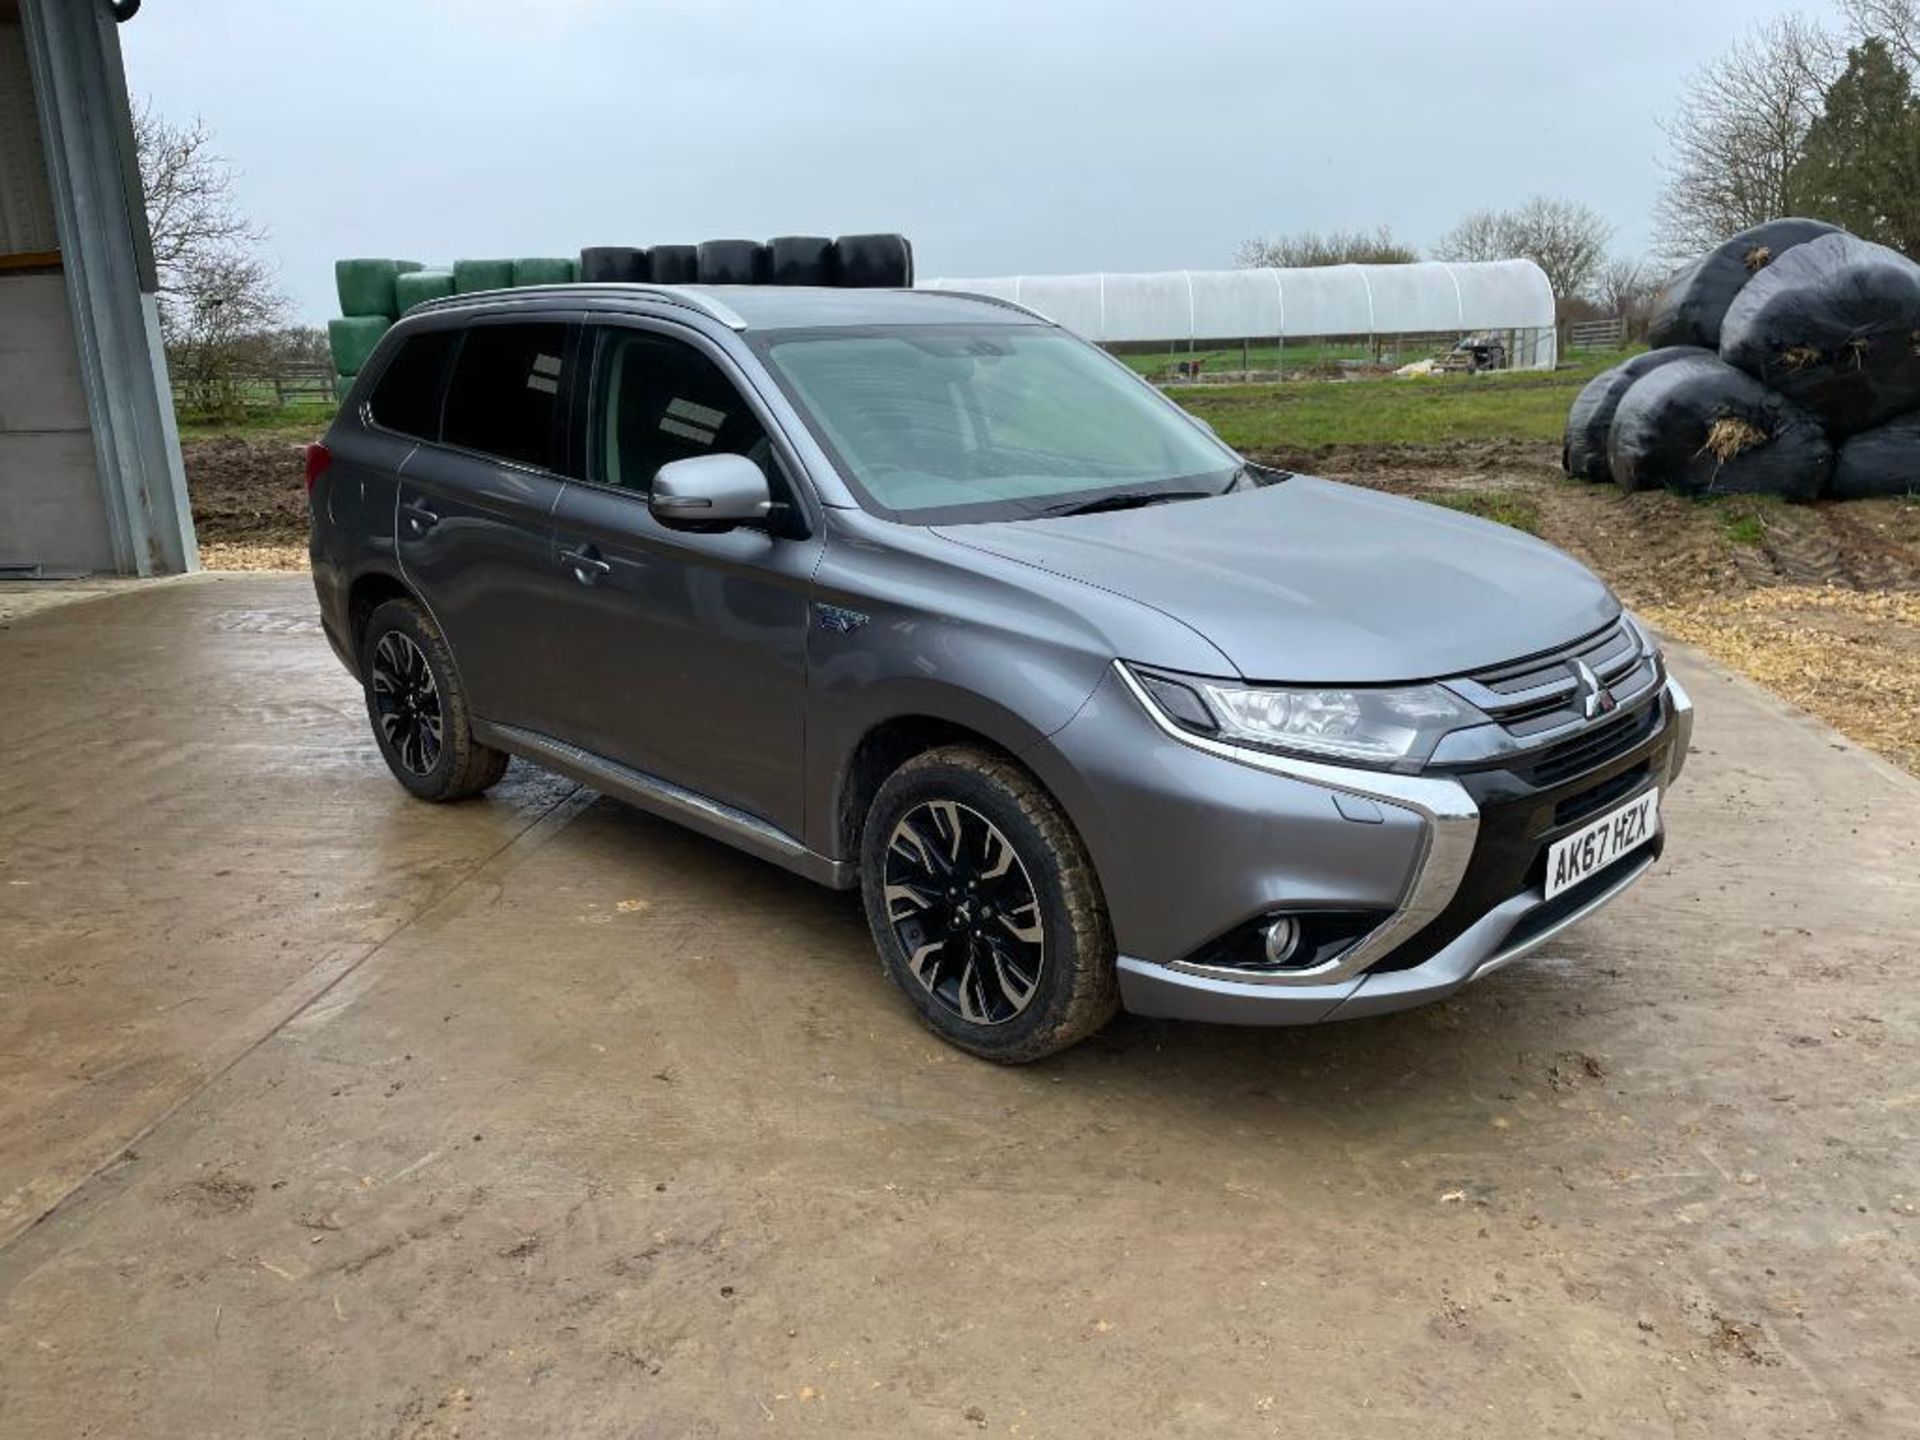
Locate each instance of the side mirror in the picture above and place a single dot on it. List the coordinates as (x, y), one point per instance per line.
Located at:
(710, 492)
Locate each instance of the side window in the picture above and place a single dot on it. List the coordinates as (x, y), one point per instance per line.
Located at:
(661, 400)
(504, 391)
(407, 399)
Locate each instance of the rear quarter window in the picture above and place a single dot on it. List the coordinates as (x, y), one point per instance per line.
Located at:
(505, 392)
(407, 398)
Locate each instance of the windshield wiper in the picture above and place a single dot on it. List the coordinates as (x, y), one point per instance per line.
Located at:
(1126, 500)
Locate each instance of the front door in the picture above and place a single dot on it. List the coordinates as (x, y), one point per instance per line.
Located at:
(685, 654)
(475, 520)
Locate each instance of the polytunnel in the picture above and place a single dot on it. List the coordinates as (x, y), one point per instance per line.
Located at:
(1429, 298)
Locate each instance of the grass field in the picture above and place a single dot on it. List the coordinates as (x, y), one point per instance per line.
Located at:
(1417, 410)
(1294, 414)
(304, 421)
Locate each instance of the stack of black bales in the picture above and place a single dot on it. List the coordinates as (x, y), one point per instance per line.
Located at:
(1785, 362)
(851, 262)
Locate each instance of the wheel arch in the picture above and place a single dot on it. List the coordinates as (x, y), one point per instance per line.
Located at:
(369, 591)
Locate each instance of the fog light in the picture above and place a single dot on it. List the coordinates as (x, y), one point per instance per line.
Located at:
(1280, 939)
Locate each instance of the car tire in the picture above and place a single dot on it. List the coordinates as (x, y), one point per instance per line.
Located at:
(1014, 983)
(418, 707)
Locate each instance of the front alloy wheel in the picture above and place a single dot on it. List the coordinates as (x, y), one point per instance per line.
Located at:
(984, 906)
(964, 912)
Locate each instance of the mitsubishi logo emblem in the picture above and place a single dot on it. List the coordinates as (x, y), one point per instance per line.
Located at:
(1595, 699)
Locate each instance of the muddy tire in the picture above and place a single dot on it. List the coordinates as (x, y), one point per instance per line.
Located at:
(418, 707)
(985, 907)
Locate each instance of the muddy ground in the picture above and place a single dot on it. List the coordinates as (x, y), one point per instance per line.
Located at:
(1821, 603)
(328, 1114)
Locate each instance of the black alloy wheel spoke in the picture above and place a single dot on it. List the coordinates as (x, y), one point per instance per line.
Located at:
(407, 701)
(965, 912)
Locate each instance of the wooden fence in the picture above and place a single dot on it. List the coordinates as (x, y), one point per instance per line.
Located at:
(277, 388)
(1597, 334)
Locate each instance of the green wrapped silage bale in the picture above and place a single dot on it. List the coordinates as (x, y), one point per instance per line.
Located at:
(421, 286)
(545, 272)
(366, 287)
(472, 275)
(407, 267)
(352, 340)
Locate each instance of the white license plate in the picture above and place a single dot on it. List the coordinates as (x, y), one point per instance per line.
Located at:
(1597, 844)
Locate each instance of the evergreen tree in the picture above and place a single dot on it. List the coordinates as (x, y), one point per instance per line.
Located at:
(1861, 165)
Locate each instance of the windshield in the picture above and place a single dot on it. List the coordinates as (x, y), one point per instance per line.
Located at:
(951, 423)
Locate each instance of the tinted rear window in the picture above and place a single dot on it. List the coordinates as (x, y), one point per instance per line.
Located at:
(407, 399)
(505, 389)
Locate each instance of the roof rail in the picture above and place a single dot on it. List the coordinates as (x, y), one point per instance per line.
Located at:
(680, 295)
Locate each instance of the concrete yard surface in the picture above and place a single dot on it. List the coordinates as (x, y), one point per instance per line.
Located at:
(327, 1113)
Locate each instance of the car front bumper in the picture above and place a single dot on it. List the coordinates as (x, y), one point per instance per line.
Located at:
(1455, 862)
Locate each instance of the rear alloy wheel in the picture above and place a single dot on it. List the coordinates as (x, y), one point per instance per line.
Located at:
(419, 709)
(985, 907)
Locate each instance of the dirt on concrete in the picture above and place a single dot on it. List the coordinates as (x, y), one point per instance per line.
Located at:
(327, 1113)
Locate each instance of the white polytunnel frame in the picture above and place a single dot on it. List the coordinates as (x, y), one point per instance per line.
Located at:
(1265, 305)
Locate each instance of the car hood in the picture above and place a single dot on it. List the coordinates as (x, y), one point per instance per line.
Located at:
(1311, 581)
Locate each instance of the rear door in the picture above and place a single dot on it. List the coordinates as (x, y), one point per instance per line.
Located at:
(474, 522)
(685, 653)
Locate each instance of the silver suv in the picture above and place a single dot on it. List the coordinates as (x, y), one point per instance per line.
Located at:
(917, 593)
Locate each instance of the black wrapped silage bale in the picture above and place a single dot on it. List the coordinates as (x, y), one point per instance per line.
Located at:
(1701, 427)
(615, 264)
(1584, 452)
(1834, 325)
(676, 264)
(1880, 462)
(873, 261)
(801, 260)
(732, 262)
(1694, 302)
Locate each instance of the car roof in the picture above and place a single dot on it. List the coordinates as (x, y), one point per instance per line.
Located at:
(757, 307)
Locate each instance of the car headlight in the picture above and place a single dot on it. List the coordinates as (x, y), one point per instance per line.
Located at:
(1389, 727)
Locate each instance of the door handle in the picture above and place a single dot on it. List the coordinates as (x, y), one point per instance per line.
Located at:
(419, 516)
(587, 567)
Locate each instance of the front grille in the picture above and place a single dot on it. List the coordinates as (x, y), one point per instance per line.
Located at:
(1521, 815)
(1596, 746)
(1533, 698)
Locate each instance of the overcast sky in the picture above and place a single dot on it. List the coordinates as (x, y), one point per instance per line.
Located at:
(1041, 136)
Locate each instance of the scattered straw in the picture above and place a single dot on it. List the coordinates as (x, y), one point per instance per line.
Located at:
(242, 555)
(1799, 357)
(1730, 436)
(1857, 348)
(1758, 257)
(1851, 657)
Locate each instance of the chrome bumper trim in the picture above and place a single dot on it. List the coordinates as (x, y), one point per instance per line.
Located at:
(1682, 728)
(1506, 957)
(1451, 824)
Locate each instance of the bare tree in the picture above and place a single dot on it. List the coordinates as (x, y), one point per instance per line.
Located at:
(1481, 236)
(223, 320)
(1626, 288)
(1335, 247)
(1896, 23)
(1740, 130)
(217, 296)
(1565, 238)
